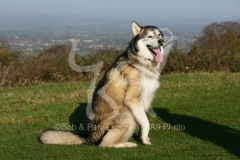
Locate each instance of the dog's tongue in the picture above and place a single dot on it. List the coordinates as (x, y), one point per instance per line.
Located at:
(159, 56)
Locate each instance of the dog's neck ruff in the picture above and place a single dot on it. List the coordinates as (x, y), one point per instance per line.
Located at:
(148, 67)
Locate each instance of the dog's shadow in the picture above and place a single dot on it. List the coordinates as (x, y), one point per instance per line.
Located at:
(223, 136)
(77, 120)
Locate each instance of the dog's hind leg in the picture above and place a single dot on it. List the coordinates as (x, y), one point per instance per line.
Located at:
(117, 138)
(120, 132)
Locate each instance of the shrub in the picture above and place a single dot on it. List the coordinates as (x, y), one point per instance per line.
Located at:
(52, 65)
(7, 60)
(217, 49)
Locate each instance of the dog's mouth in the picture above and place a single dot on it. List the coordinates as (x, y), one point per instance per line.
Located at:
(156, 51)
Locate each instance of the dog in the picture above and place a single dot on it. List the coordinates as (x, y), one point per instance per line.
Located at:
(123, 95)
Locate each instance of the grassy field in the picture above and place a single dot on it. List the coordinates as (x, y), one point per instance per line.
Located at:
(204, 108)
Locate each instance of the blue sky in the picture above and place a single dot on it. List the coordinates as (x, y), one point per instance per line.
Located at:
(177, 9)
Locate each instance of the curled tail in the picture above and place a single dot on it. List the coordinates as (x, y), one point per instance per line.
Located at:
(60, 137)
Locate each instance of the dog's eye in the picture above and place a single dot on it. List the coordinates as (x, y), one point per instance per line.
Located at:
(159, 35)
(150, 36)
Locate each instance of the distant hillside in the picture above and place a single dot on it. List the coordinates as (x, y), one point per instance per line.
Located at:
(216, 50)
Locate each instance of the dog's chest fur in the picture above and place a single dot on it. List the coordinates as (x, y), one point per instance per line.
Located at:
(148, 86)
(149, 83)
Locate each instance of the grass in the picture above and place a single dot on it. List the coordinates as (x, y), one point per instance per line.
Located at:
(205, 105)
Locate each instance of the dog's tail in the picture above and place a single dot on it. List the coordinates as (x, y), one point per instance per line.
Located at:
(60, 137)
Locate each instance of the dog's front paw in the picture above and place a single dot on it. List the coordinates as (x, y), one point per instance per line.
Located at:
(146, 141)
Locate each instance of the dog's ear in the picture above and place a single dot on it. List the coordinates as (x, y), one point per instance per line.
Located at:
(136, 28)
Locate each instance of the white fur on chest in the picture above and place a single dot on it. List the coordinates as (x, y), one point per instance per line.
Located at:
(148, 89)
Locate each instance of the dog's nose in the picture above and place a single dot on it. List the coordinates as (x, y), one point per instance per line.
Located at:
(161, 41)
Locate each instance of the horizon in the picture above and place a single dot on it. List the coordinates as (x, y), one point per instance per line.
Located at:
(30, 20)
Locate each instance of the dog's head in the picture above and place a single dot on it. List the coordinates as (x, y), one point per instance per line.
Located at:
(148, 42)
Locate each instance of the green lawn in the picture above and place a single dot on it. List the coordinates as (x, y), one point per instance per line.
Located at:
(203, 107)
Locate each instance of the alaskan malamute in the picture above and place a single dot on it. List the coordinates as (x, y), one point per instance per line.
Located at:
(123, 95)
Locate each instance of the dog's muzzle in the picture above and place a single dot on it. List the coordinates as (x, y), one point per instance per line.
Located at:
(156, 51)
